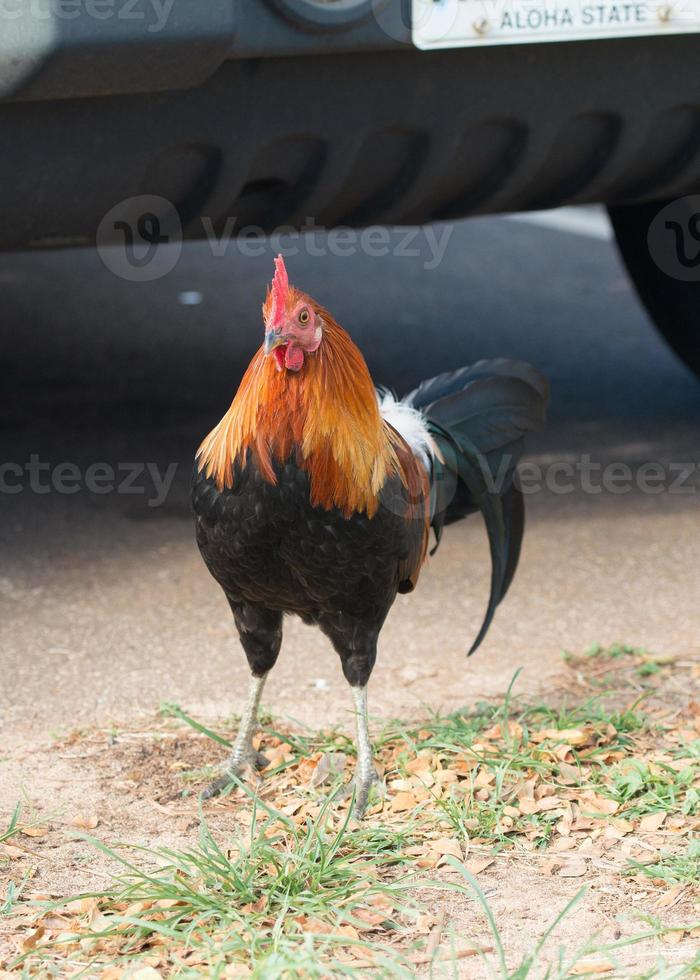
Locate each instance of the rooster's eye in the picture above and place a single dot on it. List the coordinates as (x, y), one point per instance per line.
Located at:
(304, 316)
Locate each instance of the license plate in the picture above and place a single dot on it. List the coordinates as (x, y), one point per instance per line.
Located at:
(470, 23)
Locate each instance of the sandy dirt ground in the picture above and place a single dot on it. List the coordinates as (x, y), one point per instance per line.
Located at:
(137, 784)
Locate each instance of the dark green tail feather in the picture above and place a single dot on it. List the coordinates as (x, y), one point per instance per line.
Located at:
(478, 417)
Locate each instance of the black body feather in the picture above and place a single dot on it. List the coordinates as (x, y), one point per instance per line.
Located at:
(273, 553)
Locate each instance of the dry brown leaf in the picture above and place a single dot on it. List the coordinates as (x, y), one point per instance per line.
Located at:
(168, 903)
(515, 731)
(315, 926)
(421, 764)
(550, 803)
(670, 897)
(34, 831)
(622, 825)
(425, 922)
(445, 776)
(652, 822)
(372, 919)
(525, 789)
(550, 866)
(569, 775)
(476, 865)
(401, 786)
(460, 953)
(572, 736)
(592, 803)
(428, 862)
(289, 809)
(330, 764)
(380, 901)
(403, 802)
(587, 967)
(32, 940)
(447, 845)
(573, 869)
(85, 821)
(82, 906)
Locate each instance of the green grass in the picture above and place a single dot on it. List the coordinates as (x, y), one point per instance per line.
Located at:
(13, 826)
(258, 902)
(13, 890)
(263, 903)
(643, 789)
(514, 759)
(673, 869)
(637, 787)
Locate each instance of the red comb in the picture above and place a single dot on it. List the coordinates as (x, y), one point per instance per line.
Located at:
(280, 288)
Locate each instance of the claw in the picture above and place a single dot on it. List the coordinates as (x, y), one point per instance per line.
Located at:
(217, 786)
(232, 771)
(363, 792)
(362, 788)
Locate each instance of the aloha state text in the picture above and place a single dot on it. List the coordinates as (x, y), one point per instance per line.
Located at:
(588, 15)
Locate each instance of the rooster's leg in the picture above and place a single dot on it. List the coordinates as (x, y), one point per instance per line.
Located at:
(243, 754)
(365, 775)
(260, 632)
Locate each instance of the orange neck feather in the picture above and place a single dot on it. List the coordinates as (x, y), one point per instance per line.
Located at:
(326, 415)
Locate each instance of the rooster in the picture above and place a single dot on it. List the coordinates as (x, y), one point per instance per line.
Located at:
(316, 493)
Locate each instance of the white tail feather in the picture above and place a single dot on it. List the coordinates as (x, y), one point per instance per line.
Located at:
(410, 423)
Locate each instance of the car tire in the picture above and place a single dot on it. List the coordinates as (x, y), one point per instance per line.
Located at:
(673, 304)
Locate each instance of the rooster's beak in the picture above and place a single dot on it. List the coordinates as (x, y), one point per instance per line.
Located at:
(273, 340)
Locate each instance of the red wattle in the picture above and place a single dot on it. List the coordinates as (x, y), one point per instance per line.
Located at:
(294, 358)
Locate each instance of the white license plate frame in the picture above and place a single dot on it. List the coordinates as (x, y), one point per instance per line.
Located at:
(444, 24)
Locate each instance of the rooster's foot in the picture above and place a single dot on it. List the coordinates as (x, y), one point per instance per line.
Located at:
(364, 787)
(233, 770)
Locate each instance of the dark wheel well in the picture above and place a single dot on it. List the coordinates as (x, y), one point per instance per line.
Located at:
(673, 304)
